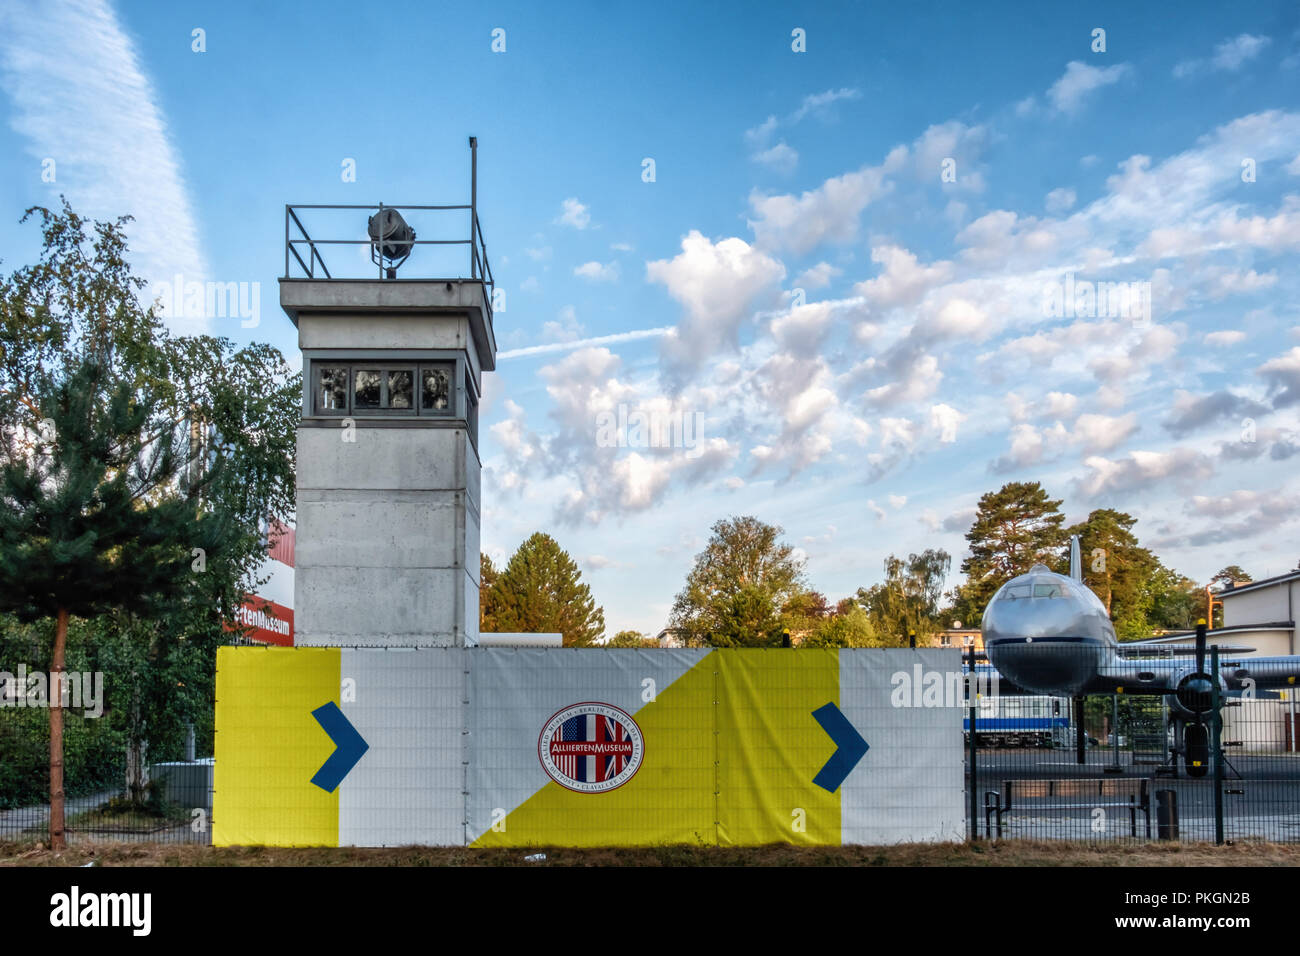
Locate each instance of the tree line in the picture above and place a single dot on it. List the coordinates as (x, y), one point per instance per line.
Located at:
(749, 588)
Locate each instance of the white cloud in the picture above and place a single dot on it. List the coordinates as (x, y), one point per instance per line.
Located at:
(718, 284)
(951, 140)
(914, 380)
(1060, 200)
(803, 329)
(566, 329)
(80, 97)
(818, 103)
(903, 281)
(759, 135)
(1224, 338)
(1235, 53)
(1141, 470)
(945, 419)
(1103, 432)
(597, 272)
(613, 339)
(1283, 375)
(1237, 282)
(817, 277)
(829, 213)
(573, 213)
(1079, 80)
(780, 157)
(1030, 445)
(1059, 405)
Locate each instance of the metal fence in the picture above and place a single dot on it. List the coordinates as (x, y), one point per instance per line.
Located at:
(1127, 766)
(170, 803)
(1133, 765)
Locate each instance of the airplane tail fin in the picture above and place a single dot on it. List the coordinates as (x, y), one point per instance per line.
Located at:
(1076, 559)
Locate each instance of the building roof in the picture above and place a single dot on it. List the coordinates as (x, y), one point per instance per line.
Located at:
(1169, 636)
(1254, 585)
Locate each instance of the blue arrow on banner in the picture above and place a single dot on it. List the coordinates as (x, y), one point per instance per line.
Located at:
(348, 747)
(851, 746)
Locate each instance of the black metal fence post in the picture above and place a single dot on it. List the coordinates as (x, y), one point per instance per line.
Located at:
(972, 697)
(1216, 742)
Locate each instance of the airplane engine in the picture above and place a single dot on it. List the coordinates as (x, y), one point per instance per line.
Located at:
(1193, 695)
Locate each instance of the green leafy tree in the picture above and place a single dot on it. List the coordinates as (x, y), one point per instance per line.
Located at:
(89, 522)
(487, 595)
(631, 639)
(541, 591)
(802, 614)
(739, 587)
(1015, 527)
(908, 599)
(1175, 600)
(228, 417)
(850, 627)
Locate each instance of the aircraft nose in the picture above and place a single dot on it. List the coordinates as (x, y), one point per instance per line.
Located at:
(1042, 644)
(1042, 617)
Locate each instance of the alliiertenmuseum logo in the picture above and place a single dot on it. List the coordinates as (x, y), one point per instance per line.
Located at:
(591, 747)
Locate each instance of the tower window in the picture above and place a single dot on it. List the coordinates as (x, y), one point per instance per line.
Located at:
(435, 387)
(380, 389)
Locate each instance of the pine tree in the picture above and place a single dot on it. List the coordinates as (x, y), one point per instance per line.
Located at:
(79, 301)
(1229, 576)
(92, 519)
(1117, 569)
(1015, 528)
(541, 591)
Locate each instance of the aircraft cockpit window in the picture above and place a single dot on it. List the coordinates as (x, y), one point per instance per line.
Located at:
(1047, 591)
(1019, 592)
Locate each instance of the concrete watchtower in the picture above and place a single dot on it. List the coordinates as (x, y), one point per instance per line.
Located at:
(388, 467)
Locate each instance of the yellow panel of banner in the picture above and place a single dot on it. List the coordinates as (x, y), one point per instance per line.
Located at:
(268, 747)
(771, 747)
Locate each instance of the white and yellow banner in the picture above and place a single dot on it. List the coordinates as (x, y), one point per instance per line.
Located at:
(586, 747)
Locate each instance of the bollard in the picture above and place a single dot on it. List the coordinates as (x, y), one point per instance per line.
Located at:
(1167, 814)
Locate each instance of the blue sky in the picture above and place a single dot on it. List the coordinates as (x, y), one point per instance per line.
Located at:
(926, 175)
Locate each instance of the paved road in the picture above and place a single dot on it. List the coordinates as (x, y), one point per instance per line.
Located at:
(1261, 798)
(34, 820)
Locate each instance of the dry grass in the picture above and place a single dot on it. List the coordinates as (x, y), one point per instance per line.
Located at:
(1016, 853)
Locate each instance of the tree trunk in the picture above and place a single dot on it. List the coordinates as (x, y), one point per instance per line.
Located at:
(137, 765)
(57, 841)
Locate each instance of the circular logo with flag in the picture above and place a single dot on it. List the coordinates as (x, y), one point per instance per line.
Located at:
(591, 747)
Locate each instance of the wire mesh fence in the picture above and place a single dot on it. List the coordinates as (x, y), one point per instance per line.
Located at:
(1148, 762)
(166, 802)
(1154, 758)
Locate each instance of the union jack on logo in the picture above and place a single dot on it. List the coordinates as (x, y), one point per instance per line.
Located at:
(590, 747)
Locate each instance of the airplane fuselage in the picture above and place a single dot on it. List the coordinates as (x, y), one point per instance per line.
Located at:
(1048, 633)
